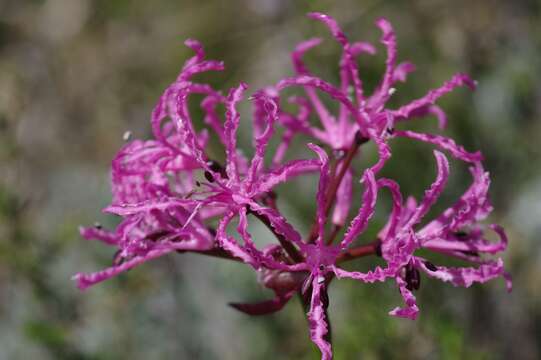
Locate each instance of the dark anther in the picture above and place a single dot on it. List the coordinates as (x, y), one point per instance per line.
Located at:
(360, 139)
(97, 225)
(430, 266)
(321, 267)
(217, 168)
(378, 249)
(390, 130)
(209, 176)
(214, 166)
(471, 253)
(197, 183)
(155, 236)
(325, 299)
(413, 278)
(212, 231)
(461, 234)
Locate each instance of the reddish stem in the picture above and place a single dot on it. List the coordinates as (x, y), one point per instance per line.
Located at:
(337, 180)
(215, 252)
(374, 248)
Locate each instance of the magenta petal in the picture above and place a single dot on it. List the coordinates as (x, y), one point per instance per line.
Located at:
(343, 199)
(297, 55)
(318, 320)
(359, 223)
(230, 244)
(402, 70)
(211, 117)
(269, 180)
(197, 47)
(378, 274)
(231, 125)
(321, 197)
(86, 280)
(434, 192)
(411, 310)
(466, 276)
(389, 231)
(389, 40)
(108, 237)
(164, 204)
(433, 95)
(443, 142)
(271, 108)
(348, 63)
(324, 86)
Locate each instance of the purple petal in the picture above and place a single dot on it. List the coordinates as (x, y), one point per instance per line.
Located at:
(425, 111)
(324, 86)
(86, 280)
(411, 310)
(359, 223)
(108, 237)
(389, 40)
(344, 196)
(321, 196)
(231, 125)
(318, 322)
(326, 119)
(402, 70)
(163, 204)
(445, 143)
(269, 180)
(378, 274)
(434, 192)
(271, 107)
(348, 63)
(466, 276)
(230, 244)
(433, 95)
(389, 231)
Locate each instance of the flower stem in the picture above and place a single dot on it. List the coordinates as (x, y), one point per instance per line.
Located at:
(373, 248)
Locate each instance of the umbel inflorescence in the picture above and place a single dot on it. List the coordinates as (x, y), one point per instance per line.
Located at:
(168, 190)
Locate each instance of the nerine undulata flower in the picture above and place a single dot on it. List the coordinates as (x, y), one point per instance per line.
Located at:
(169, 190)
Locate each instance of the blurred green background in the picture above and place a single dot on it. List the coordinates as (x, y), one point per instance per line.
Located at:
(76, 74)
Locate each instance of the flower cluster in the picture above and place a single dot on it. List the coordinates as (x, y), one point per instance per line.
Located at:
(169, 190)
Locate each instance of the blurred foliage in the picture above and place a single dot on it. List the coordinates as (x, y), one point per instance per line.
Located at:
(75, 74)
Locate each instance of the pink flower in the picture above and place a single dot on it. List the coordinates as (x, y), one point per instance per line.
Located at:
(168, 190)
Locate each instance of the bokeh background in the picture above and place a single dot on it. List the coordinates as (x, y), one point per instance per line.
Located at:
(76, 74)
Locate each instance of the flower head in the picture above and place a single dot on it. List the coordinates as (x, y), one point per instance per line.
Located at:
(169, 190)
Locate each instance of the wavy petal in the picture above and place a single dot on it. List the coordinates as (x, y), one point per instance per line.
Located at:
(318, 321)
(359, 223)
(443, 142)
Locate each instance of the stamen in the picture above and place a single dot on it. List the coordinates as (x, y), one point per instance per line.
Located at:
(430, 266)
(209, 176)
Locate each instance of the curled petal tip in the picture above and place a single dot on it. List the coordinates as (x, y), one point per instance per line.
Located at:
(317, 15)
(191, 43)
(467, 80)
(80, 280)
(384, 25)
